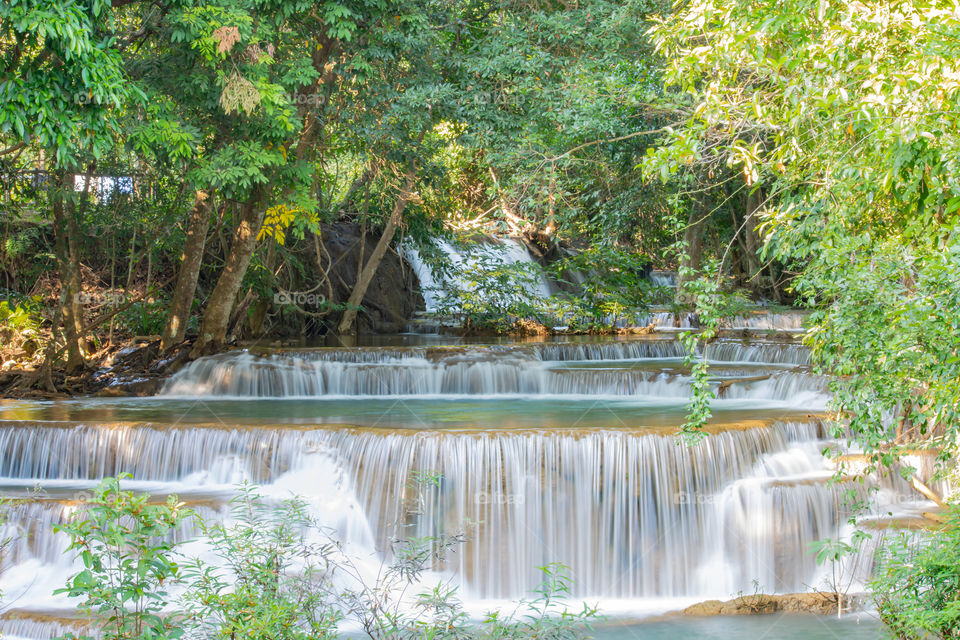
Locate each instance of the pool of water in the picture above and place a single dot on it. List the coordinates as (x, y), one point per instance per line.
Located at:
(764, 627)
(402, 412)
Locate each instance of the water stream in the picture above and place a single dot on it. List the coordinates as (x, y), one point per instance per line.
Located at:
(551, 451)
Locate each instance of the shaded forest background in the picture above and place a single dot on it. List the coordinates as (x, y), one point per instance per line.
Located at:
(169, 169)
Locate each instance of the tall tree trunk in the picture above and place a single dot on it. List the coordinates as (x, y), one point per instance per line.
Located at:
(370, 268)
(61, 190)
(216, 315)
(755, 202)
(693, 246)
(750, 223)
(74, 211)
(190, 262)
(76, 276)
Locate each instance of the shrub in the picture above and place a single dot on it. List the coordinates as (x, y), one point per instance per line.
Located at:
(917, 583)
(270, 581)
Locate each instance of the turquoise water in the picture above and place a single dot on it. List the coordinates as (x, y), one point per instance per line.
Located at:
(765, 627)
(402, 412)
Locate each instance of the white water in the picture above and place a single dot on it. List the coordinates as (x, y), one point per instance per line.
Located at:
(461, 259)
(643, 522)
(486, 371)
(632, 513)
(243, 375)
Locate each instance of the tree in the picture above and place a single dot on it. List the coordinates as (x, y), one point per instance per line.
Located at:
(60, 88)
(846, 117)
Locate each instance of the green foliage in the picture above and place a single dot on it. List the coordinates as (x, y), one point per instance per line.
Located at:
(124, 544)
(550, 97)
(20, 324)
(842, 118)
(64, 77)
(608, 282)
(543, 616)
(492, 295)
(917, 584)
(707, 298)
(21, 316)
(845, 116)
(709, 302)
(270, 580)
(144, 318)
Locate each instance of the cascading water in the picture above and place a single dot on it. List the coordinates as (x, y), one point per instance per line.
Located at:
(441, 282)
(242, 375)
(499, 251)
(636, 516)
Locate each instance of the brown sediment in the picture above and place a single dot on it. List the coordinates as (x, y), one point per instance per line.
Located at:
(927, 521)
(53, 617)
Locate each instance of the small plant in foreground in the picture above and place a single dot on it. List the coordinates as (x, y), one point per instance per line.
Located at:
(270, 581)
(276, 574)
(125, 546)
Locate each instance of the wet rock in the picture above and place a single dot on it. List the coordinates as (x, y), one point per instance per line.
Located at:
(706, 608)
(388, 306)
(137, 387)
(819, 602)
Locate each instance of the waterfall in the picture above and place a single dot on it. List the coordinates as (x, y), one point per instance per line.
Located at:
(633, 514)
(637, 516)
(666, 279)
(457, 273)
(16, 628)
(620, 509)
(490, 250)
(531, 371)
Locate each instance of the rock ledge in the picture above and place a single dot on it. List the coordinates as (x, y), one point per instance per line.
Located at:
(818, 602)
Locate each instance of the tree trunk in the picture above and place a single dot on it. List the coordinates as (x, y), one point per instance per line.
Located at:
(73, 213)
(693, 248)
(76, 276)
(370, 268)
(753, 242)
(216, 315)
(190, 262)
(69, 295)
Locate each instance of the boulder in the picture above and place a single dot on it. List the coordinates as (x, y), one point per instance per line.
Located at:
(137, 387)
(390, 302)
